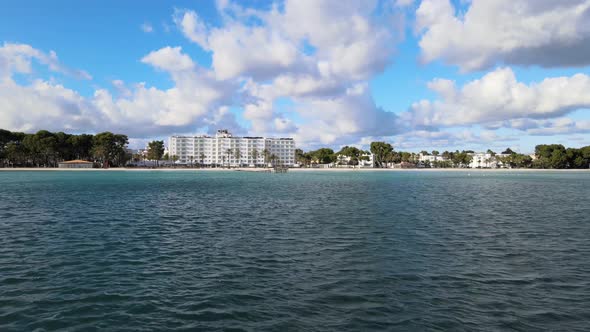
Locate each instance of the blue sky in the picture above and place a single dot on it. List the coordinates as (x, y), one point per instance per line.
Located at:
(428, 74)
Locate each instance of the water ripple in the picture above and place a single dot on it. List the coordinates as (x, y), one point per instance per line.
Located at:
(316, 252)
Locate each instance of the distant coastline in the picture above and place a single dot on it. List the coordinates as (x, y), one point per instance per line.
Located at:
(262, 170)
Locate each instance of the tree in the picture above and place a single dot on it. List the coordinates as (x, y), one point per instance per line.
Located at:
(202, 159)
(273, 159)
(508, 151)
(16, 154)
(380, 150)
(266, 155)
(354, 154)
(323, 156)
(228, 152)
(551, 156)
(81, 146)
(109, 148)
(238, 156)
(406, 156)
(462, 159)
(435, 153)
(155, 151)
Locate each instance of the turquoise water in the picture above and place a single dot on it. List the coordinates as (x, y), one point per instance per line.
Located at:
(346, 251)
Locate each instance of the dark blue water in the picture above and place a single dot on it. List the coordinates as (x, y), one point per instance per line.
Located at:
(294, 252)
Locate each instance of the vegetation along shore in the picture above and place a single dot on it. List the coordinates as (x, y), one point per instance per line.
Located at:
(45, 149)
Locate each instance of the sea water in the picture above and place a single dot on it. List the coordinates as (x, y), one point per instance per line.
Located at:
(302, 251)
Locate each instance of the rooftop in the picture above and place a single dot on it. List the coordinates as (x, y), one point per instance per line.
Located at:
(77, 161)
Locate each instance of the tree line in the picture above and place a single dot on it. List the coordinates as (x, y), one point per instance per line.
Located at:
(47, 149)
(554, 156)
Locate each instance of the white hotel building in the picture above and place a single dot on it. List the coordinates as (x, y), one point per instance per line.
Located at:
(221, 150)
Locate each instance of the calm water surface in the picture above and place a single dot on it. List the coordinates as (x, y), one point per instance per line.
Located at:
(344, 251)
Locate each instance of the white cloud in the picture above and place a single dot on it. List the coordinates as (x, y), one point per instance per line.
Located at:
(346, 118)
(313, 52)
(147, 27)
(169, 59)
(16, 58)
(318, 58)
(498, 96)
(404, 3)
(451, 140)
(192, 27)
(522, 32)
(196, 100)
(557, 126)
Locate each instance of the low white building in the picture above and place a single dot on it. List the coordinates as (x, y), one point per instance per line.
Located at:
(423, 158)
(486, 160)
(76, 164)
(365, 161)
(226, 150)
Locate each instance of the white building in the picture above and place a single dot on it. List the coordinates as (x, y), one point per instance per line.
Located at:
(226, 150)
(365, 161)
(423, 158)
(486, 160)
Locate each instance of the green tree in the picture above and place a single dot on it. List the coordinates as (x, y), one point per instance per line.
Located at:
(266, 156)
(155, 151)
(238, 156)
(354, 154)
(81, 146)
(254, 154)
(508, 151)
(202, 159)
(109, 149)
(323, 156)
(380, 150)
(228, 152)
(273, 159)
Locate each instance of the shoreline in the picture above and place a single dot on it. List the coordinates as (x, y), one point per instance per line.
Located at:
(259, 170)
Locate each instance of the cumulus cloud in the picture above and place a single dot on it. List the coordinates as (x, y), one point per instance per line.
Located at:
(318, 57)
(17, 58)
(346, 118)
(557, 126)
(169, 59)
(499, 96)
(458, 139)
(192, 27)
(317, 53)
(196, 100)
(519, 32)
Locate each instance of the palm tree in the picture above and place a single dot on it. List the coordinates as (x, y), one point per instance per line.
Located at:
(273, 158)
(238, 156)
(229, 153)
(254, 155)
(202, 157)
(190, 158)
(266, 155)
